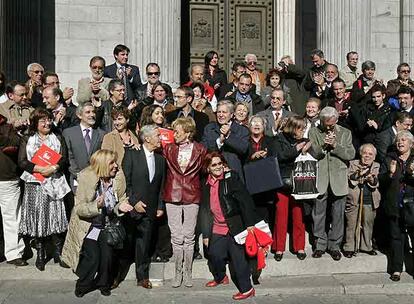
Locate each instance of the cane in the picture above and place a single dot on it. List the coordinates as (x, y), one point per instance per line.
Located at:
(359, 222)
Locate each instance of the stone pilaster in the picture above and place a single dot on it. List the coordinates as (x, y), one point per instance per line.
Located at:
(152, 31)
(407, 15)
(284, 20)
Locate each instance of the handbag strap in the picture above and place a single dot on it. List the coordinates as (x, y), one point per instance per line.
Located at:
(225, 187)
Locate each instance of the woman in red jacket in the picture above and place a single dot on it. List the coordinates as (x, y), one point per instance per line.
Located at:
(182, 193)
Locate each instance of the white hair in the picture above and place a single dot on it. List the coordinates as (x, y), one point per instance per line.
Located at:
(30, 66)
(250, 56)
(328, 113)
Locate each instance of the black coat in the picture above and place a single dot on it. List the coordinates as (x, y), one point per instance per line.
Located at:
(138, 186)
(267, 143)
(286, 153)
(237, 223)
(258, 104)
(111, 72)
(220, 77)
(384, 142)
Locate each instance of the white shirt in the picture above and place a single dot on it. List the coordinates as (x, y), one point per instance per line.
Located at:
(3, 98)
(150, 163)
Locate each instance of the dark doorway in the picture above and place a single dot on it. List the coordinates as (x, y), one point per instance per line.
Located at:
(27, 34)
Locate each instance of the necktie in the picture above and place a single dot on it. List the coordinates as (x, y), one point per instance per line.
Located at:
(87, 139)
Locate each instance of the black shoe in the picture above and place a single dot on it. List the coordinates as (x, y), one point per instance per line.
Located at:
(372, 252)
(63, 264)
(58, 242)
(41, 255)
(348, 254)
(2, 258)
(335, 254)
(197, 256)
(318, 254)
(164, 260)
(18, 262)
(395, 277)
(278, 257)
(255, 277)
(156, 259)
(79, 294)
(301, 255)
(105, 292)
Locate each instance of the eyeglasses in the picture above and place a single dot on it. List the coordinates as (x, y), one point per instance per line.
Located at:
(21, 95)
(97, 67)
(153, 73)
(52, 83)
(214, 165)
(44, 121)
(119, 90)
(252, 63)
(38, 72)
(405, 71)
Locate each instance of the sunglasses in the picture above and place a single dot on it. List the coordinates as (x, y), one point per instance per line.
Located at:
(97, 67)
(214, 165)
(153, 73)
(38, 72)
(405, 71)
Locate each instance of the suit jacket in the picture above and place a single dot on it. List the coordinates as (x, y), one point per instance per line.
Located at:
(141, 94)
(270, 119)
(138, 186)
(235, 146)
(257, 102)
(200, 118)
(384, 142)
(333, 164)
(183, 187)
(110, 72)
(77, 153)
(85, 91)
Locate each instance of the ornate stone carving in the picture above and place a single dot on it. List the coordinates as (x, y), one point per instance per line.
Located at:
(202, 28)
(250, 30)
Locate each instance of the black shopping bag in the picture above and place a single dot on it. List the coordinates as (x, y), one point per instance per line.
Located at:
(304, 177)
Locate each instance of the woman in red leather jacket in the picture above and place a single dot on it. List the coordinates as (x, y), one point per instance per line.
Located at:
(182, 194)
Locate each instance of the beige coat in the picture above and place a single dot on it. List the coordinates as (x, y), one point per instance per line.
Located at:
(113, 142)
(354, 190)
(85, 92)
(14, 112)
(84, 210)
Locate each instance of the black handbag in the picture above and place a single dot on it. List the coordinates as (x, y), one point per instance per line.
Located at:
(408, 211)
(114, 233)
(229, 204)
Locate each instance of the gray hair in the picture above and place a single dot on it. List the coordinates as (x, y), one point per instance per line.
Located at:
(405, 133)
(317, 52)
(367, 65)
(250, 55)
(82, 106)
(366, 146)
(228, 104)
(145, 131)
(264, 122)
(30, 66)
(327, 113)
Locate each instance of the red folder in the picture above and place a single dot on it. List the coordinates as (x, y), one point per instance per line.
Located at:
(45, 156)
(167, 136)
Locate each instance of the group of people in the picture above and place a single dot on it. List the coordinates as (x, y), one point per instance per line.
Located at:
(136, 173)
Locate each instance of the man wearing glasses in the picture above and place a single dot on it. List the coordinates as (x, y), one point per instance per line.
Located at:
(34, 84)
(403, 79)
(144, 92)
(259, 78)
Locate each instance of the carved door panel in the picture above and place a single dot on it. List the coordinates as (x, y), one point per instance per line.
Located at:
(232, 28)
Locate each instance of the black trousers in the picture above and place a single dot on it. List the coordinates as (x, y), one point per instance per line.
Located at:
(95, 265)
(144, 228)
(223, 248)
(161, 238)
(399, 242)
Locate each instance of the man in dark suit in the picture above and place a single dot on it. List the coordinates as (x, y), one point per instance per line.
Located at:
(275, 115)
(244, 93)
(384, 141)
(406, 98)
(183, 98)
(144, 172)
(129, 74)
(82, 141)
(239, 68)
(227, 137)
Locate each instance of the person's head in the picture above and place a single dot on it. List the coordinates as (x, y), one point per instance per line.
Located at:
(183, 97)
(277, 99)
(238, 69)
(2, 83)
(121, 53)
(339, 88)
(329, 117)
(313, 107)
(274, 78)
(352, 59)
(160, 91)
(197, 72)
(225, 111)
(378, 93)
(51, 97)
(35, 72)
(245, 83)
(184, 129)
(241, 111)
(367, 154)
(198, 89)
(104, 163)
(152, 114)
(403, 121)
(86, 113)
(153, 72)
(97, 66)
(214, 163)
(295, 127)
(403, 71)
(116, 90)
(257, 125)
(211, 59)
(16, 92)
(287, 59)
(120, 118)
(404, 141)
(50, 80)
(368, 69)
(331, 72)
(318, 58)
(405, 97)
(149, 136)
(251, 61)
(40, 122)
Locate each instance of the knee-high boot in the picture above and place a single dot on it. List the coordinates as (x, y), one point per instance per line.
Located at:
(41, 254)
(188, 268)
(178, 260)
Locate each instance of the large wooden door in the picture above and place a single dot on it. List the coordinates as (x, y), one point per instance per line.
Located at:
(232, 28)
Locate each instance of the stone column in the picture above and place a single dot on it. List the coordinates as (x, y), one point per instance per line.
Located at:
(343, 26)
(152, 31)
(407, 15)
(284, 33)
